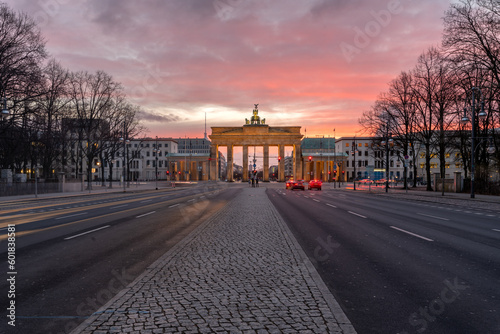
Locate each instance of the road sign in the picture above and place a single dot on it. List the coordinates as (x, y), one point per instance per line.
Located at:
(334, 167)
(407, 157)
(254, 165)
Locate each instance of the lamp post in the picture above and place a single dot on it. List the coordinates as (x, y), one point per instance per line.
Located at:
(465, 119)
(387, 142)
(125, 141)
(353, 151)
(156, 151)
(112, 162)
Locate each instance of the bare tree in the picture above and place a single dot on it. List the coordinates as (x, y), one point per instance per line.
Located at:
(93, 97)
(52, 109)
(472, 34)
(429, 96)
(22, 50)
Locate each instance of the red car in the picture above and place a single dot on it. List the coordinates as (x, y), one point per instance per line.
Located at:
(315, 184)
(291, 184)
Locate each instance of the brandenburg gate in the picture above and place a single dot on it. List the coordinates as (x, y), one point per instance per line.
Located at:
(256, 133)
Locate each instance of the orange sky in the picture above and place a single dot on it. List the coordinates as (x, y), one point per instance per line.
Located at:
(318, 64)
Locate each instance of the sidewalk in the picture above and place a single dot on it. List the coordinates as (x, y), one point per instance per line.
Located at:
(242, 271)
(96, 189)
(480, 201)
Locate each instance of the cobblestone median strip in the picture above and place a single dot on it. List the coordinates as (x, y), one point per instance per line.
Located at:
(242, 271)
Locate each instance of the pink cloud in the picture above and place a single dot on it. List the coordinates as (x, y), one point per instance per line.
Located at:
(180, 57)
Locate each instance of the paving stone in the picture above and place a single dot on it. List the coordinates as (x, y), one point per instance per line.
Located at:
(239, 272)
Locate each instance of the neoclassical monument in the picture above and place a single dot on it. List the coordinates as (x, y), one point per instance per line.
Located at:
(256, 133)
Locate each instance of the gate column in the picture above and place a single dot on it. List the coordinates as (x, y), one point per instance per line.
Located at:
(297, 162)
(266, 163)
(229, 170)
(214, 160)
(281, 164)
(245, 163)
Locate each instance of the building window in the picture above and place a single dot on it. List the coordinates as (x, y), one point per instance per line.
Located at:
(346, 144)
(366, 153)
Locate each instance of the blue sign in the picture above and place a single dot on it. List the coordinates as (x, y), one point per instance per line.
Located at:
(254, 165)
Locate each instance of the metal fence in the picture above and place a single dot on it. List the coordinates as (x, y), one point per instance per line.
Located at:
(28, 188)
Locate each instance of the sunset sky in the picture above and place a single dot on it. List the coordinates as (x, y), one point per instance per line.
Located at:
(314, 63)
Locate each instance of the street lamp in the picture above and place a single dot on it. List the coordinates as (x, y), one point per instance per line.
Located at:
(125, 142)
(388, 141)
(465, 119)
(156, 151)
(354, 151)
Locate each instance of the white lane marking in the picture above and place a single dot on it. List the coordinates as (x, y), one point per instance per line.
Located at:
(333, 206)
(411, 233)
(172, 206)
(192, 200)
(119, 206)
(356, 214)
(306, 196)
(496, 230)
(435, 217)
(79, 235)
(316, 200)
(77, 214)
(146, 214)
(148, 200)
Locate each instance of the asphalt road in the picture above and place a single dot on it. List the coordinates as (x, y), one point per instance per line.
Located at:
(74, 254)
(399, 266)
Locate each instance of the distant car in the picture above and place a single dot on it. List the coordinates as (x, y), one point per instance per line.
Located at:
(366, 181)
(299, 184)
(315, 184)
(289, 184)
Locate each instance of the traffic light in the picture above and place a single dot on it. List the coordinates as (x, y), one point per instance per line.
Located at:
(310, 158)
(343, 172)
(168, 173)
(329, 172)
(279, 159)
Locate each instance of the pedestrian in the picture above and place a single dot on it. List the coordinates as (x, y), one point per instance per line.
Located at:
(257, 182)
(253, 182)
